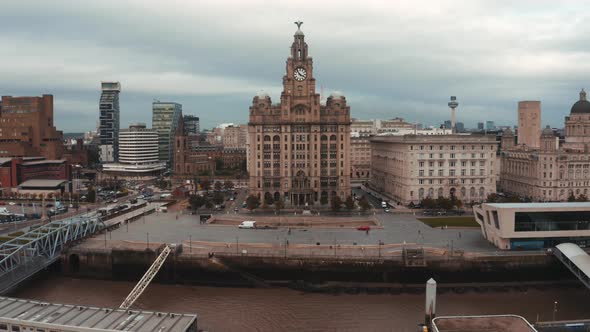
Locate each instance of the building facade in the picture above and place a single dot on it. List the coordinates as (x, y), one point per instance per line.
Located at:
(165, 118)
(26, 128)
(554, 170)
(108, 129)
(360, 157)
(235, 137)
(410, 168)
(138, 153)
(299, 148)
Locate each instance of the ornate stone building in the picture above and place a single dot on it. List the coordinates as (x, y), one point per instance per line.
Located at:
(299, 149)
(410, 168)
(553, 171)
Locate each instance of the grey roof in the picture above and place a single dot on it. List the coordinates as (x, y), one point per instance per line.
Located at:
(4, 160)
(51, 315)
(582, 105)
(41, 183)
(547, 131)
(47, 161)
(551, 205)
(576, 255)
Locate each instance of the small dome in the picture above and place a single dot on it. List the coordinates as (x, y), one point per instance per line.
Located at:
(262, 94)
(507, 132)
(582, 105)
(336, 95)
(299, 33)
(547, 132)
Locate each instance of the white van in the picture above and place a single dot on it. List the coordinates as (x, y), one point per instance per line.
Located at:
(248, 224)
(383, 204)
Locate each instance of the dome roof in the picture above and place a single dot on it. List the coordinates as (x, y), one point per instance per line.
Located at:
(262, 94)
(547, 132)
(582, 105)
(507, 132)
(336, 95)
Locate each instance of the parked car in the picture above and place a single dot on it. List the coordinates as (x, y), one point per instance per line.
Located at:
(247, 224)
(11, 203)
(363, 228)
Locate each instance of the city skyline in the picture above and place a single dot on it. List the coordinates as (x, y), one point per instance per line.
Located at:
(400, 62)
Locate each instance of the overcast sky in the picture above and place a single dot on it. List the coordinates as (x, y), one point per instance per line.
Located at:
(390, 58)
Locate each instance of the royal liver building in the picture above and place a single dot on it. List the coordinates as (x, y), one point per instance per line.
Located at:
(299, 148)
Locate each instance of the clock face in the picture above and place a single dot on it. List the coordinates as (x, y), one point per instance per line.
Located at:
(300, 74)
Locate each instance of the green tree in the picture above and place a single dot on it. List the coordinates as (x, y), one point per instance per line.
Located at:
(252, 202)
(268, 201)
(364, 203)
(444, 203)
(206, 185)
(218, 185)
(428, 203)
(91, 196)
(571, 197)
(196, 201)
(349, 203)
(228, 185)
(324, 200)
(217, 198)
(492, 198)
(336, 203)
(218, 164)
(279, 204)
(582, 198)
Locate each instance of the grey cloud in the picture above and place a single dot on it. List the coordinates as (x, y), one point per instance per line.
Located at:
(390, 58)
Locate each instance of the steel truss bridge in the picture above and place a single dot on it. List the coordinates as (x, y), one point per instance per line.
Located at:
(24, 255)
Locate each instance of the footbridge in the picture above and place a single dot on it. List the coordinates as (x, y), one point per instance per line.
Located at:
(575, 259)
(25, 253)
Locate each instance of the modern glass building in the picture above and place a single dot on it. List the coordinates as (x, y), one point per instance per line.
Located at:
(108, 129)
(534, 225)
(165, 118)
(191, 124)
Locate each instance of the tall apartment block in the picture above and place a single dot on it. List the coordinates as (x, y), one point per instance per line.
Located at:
(108, 129)
(165, 119)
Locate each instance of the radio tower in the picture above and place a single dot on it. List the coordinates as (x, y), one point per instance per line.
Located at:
(453, 104)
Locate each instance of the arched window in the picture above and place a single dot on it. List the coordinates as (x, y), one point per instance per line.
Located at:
(421, 193)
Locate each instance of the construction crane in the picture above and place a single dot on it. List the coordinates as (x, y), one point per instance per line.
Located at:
(146, 279)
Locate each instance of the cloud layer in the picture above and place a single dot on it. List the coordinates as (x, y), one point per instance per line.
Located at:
(390, 58)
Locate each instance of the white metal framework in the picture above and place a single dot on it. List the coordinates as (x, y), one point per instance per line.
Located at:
(575, 259)
(146, 279)
(24, 255)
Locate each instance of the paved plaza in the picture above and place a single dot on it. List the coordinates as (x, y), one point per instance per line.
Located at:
(396, 229)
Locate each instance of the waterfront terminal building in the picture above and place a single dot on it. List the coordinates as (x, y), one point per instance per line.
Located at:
(530, 226)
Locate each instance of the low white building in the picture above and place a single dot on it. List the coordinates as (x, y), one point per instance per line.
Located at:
(534, 225)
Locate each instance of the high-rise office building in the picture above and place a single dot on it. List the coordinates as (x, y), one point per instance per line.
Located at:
(191, 124)
(460, 127)
(480, 126)
(490, 125)
(448, 124)
(300, 148)
(26, 128)
(109, 121)
(165, 118)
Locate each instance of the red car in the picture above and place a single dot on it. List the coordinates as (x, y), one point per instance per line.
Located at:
(363, 228)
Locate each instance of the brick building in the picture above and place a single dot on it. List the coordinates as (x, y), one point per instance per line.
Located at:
(22, 172)
(26, 128)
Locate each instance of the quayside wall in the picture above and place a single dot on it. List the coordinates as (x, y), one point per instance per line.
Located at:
(240, 270)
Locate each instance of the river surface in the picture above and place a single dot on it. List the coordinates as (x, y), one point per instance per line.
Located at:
(282, 309)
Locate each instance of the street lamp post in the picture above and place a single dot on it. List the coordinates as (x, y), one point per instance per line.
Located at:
(554, 310)
(237, 245)
(190, 244)
(148, 239)
(380, 249)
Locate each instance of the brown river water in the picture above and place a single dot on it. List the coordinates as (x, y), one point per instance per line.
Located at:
(282, 309)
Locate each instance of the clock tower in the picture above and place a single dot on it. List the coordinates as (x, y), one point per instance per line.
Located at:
(298, 150)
